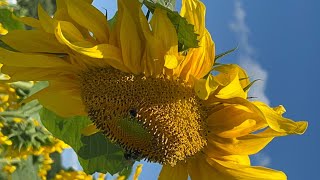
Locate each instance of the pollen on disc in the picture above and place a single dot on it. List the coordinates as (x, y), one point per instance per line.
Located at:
(159, 118)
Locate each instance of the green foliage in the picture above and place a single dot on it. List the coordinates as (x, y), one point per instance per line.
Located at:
(187, 37)
(249, 85)
(170, 4)
(25, 134)
(95, 152)
(27, 169)
(219, 56)
(30, 7)
(8, 22)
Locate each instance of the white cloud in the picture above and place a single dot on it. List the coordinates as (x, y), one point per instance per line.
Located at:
(246, 57)
(261, 159)
(255, 71)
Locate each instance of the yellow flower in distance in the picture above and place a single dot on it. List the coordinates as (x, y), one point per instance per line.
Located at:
(4, 140)
(3, 31)
(145, 95)
(72, 175)
(9, 168)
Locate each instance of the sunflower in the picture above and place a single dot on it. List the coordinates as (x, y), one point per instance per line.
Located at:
(3, 31)
(156, 102)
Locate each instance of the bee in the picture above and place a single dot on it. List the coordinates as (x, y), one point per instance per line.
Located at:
(133, 112)
(132, 155)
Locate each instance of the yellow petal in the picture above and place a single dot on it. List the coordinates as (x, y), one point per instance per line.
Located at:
(70, 32)
(32, 41)
(108, 52)
(245, 145)
(62, 15)
(3, 31)
(163, 29)
(88, 1)
(244, 172)
(279, 123)
(89, 130)
(205, 64)
(46, 21)
(279, 109)
(194, 11)
(178, 172)
(171, 61)
(35, 23)
(236, 159)
(17, 59)
(34, 74)
(204, 87)
(236, 101)
(68, 93)
(152, 59)
(243, 77)
(91, 18)
(235, 120)
(199, 61)
(131, 45)
(229, 78)
(199, 169)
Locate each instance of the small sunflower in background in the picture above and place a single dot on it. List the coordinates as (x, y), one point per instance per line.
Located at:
(144, 91)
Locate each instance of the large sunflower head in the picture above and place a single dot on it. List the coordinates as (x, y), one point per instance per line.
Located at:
(153, 100)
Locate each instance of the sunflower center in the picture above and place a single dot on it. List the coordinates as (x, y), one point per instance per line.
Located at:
(159, 119)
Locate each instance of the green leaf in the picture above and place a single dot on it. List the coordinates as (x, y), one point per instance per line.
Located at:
(170, 4)
(98, 147)
(8, 22)
(224, 54)
(187, 38)
(95, 152)
(249, 85)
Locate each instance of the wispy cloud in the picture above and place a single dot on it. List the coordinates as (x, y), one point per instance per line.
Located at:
(255, 71)
(246, 51)
(261, 159)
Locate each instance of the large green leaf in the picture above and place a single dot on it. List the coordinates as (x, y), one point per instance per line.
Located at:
(187, 37)
(102, 154)
(95, 152)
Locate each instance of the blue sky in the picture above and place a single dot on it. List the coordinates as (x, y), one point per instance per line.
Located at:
(278, 43)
